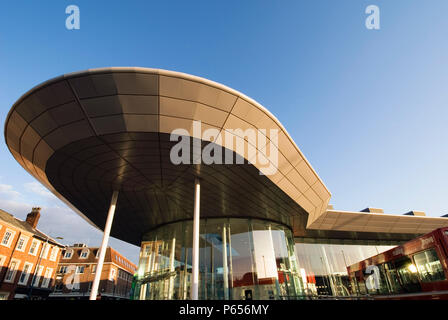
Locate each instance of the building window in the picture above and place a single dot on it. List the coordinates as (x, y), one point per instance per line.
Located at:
(80, 269)
(7, 238)
(45, 251)
(34, 247)
(59, 287)
(84, 254)
(429, 266)
(54, 253)
(4, 295)
(21, 245)
(27, 267)
(47, 278)
(68, 254)
(11, 274)
(2, 261)
(94, 268)
(63, 269)
(37, 277)
(112, 274)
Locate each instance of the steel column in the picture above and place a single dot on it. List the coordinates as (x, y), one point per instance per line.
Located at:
(107, 227)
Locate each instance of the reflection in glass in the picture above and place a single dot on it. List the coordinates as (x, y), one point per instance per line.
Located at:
(323, 267)
(429, 266)
(238, 259)
(407, 273)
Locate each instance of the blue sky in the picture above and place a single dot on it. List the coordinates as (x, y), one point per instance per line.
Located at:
(368, 108)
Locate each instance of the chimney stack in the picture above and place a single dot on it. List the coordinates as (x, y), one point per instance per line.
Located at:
(33, 217)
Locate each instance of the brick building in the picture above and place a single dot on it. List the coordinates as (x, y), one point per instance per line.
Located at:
(28, 258)
(77, 268)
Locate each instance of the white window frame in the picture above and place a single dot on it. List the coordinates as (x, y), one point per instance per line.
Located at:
(14, 271)
(84, 251)
(112, 274)
(47, 280)
(25, 242)
(93, 269)
(63, 269)
(27, 276)
(11, 237)
(2, 261)
(39, 272)
(78, 268)
(66, 252)
(54, 253)
(36, 249)
(45, 250)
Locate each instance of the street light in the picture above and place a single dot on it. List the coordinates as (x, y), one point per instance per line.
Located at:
(37, 266)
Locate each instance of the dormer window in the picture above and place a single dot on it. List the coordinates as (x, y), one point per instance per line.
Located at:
(68, 254)
(84, 254)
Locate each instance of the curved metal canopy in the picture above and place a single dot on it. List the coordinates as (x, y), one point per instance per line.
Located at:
(87, 133)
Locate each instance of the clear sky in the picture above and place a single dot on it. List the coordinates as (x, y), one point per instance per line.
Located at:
(368, 108)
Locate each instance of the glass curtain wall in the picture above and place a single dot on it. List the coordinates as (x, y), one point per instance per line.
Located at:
(238, 259)
(323, 267)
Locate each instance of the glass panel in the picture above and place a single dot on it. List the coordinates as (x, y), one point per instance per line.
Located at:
(392, 278)
(378, 280)
(214, 256)
(323, 268)
(429, 266)
(265, 262)
(243, 276)
(361, 285)
(408, 274)
(238, 259)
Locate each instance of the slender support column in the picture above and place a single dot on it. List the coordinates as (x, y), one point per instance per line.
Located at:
(147, 254)
(212, 269)
(172, 257)
(195, 257)
(230, 261)
(329, 271)
(224, 263)
(277, 285)
(107, 227)
(143, 291)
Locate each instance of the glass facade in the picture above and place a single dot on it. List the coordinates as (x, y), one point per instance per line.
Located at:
(238, 259)
(323, 267)
(246, 259)
(429, 266)
(400, 275)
